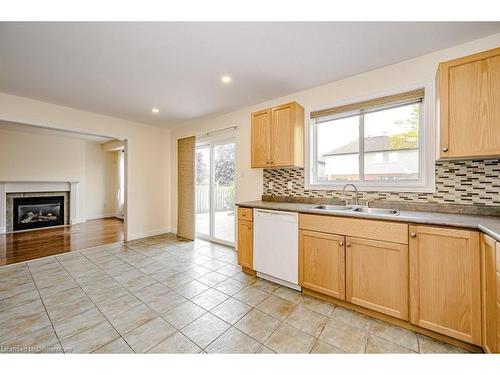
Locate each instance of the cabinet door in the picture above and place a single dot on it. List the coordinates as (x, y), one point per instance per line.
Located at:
(261, 139)
(322, 263)
(282, 135)
(470, 105)
(245, 243)
(489, 293)
(497, 349)
(377, 276)
(445, 290)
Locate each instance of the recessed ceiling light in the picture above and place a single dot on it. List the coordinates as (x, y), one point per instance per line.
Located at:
(155, 110)
(226, 79)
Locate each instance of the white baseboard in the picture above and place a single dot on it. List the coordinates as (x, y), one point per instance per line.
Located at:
(156, 232)
(101, 216)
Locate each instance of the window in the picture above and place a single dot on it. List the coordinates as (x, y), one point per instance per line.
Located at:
(376, 144)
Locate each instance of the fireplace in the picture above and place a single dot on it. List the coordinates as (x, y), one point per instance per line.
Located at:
(38, 212)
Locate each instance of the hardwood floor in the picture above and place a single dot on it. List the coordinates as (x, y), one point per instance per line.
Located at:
(21, 246)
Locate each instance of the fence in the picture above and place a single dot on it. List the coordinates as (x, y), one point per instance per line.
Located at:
(224, 198)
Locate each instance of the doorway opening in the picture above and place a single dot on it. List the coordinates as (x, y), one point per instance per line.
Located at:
(215, 189)
(65, 191)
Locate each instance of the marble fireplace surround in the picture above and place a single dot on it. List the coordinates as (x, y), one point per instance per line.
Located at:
(72, 187)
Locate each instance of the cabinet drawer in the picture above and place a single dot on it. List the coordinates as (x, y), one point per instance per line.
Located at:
(245, 213)
(363, 228)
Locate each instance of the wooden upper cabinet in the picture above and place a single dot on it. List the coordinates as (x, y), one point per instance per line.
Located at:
(261, 140)
(445, 282)
(322, 263)
(489, 294)
(278, 137)
(469, 95)
(377, 276)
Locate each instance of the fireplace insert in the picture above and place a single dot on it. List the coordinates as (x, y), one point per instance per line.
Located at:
(38, 212)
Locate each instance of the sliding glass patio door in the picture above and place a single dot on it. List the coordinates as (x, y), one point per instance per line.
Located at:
(215, 169)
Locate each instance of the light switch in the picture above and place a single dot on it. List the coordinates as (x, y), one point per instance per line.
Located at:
(270, 185)
(289, 185)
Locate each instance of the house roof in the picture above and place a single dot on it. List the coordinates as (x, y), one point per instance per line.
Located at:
(375, 144)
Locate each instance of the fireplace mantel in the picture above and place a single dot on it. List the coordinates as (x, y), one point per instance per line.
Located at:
(72, 187)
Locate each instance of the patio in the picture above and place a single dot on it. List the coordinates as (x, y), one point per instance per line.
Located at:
(223, 226)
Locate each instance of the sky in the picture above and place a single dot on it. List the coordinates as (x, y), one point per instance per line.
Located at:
(336, 133)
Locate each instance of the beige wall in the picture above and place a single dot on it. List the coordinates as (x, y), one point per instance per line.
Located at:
(408, 74)
(26, 156)
(147, 156)
(101, 182)
(36, 157)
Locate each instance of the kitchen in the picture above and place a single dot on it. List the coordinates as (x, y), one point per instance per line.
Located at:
(418, 260)
(312, 189)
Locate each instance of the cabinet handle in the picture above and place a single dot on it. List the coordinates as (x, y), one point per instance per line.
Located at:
(413, 235)
(445, 149)
(249, 227)
(243, 214)
(348, 244)
(341, 243)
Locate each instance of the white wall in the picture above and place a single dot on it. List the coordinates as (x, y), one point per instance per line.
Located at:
(401, 76)
(101, 182)
(147, 155)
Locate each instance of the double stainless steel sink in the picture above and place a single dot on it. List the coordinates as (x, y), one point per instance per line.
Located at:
(359, 209)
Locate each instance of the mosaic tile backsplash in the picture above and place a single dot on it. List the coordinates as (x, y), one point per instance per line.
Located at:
(468, 182)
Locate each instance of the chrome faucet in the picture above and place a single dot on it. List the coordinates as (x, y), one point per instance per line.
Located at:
(356, 199)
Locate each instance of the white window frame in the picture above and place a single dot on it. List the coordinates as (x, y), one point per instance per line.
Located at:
(427, 149)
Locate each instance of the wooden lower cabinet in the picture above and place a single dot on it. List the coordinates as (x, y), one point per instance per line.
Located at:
(489, 293)
(322, 263)
(445, 282)
(245, 244)
(377, 276)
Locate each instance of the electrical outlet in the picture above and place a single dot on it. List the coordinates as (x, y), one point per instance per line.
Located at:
(270, 185)
(289, 185)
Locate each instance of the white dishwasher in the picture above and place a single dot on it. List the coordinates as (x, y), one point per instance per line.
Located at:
(276, 246)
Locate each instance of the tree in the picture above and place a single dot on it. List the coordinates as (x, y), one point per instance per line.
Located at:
(224, 165)
(409, 138)
(201, 169)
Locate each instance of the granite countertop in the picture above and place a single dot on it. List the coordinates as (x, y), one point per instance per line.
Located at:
(490, 225)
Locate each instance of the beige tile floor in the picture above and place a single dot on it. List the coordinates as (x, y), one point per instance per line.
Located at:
(160, 295)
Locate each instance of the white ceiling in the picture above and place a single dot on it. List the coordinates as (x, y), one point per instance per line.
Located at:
(125, 69)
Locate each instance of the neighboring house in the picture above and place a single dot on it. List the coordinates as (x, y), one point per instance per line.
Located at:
(384, 160)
